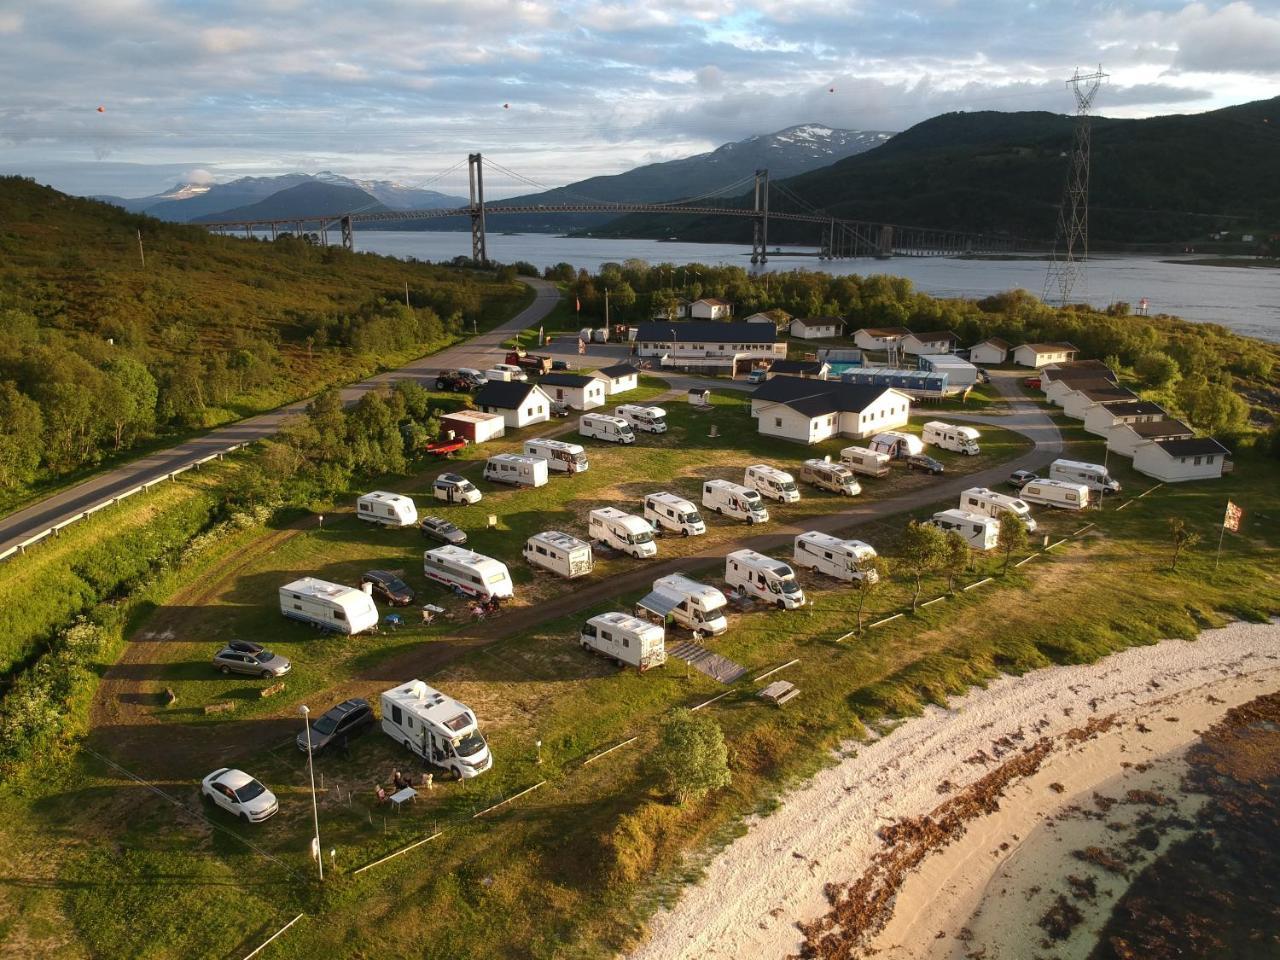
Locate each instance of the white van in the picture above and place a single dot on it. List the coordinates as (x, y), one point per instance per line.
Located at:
(835, 477)
(467, 572)
(764, 578)
(455, 488)
(897, 445)
(511, 372)
(669, 512)
(648, 419)
(693, 605)
(627, 639)
(734, 500)
(388, 509)
(772, 483)
(622, 531)
(1056, 493)
(494, 374)
(560, 553)
(1092, 475)
(823, 553)
(993, 504)
(514, 468)
(604, 427)
(437, 728)
(874, 463)
(561, 457)
(329, 606)
(978, 529)
(950, 437)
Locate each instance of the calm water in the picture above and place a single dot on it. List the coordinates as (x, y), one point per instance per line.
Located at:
(1246, 299)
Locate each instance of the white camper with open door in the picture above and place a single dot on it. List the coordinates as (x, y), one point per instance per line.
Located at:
(516, 469)
(666, 511)
(329, 606)
(627, 639)
(993, 504)
(823, 553)
(388, 509)
(646, 419)
(734, 500)
(690, 604)
(437, 728)
(561, 457)
(622, 531)
(468, 572)
(947, 436)
(771, 482)
(764, 578)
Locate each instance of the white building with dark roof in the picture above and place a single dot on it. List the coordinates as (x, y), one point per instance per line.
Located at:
(706, 346)
(1125, 438)
(711, 308)
(1177, 461)
(581, 391)
(809, 411)
(879, 338)
(1042, 354)
(817, 328)
(620, 377)
(519, 404)
(990, 352)
(1076, 403)
(933, 342)
(1101, 417)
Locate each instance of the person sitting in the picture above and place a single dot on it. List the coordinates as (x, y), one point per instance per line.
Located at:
(399, 781)
(380, 794)
(477, 611)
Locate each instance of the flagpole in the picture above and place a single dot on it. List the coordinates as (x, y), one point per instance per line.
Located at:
(1222, 532)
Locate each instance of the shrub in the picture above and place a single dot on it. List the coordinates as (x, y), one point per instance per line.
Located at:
(691, 758)
(640, 842)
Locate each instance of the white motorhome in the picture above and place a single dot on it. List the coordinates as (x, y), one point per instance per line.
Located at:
(734, 500)
(772, 483)
(388, 509)
(978, 529)
(1056, 493)
(330, 606)
(835, 477)
(693, 605)
(764, 578)
(494, 373)
(1092, 475)
(648, 419)
(517, 469)
(993, 504)
(627, 639)
(437, 728)
(823, 553)
(950, 437)
(455, 488)
(604, 427)
(669, 512)
(467, 572)
(622, 531)
(561, 457)
(896, 444)
(560, 553)
(874, 463)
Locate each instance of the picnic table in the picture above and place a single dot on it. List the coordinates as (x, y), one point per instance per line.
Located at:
(401, 797)
(779, 692)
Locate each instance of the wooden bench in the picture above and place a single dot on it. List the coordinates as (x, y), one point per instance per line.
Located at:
(779, 692)
(224, 707)
(272, 690)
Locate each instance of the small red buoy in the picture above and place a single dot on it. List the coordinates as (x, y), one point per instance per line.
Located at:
(102, 109)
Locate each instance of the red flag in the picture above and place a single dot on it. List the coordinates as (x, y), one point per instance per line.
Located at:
(1231, 520)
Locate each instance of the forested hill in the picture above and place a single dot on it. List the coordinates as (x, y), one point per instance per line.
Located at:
(1163, 179)
(99, 353)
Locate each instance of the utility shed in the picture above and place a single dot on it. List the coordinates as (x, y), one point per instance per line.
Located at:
(476, 425)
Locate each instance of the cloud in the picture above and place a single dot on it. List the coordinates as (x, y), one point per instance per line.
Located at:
(10, 22)
(227, 39)
(710, 78)
(1236, 39)
(199, 176)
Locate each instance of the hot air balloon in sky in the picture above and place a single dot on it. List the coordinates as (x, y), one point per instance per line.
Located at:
(102, 109)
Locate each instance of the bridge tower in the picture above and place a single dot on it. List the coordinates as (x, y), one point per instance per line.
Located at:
(348, 234)
(476, 171)
(760, 225)
(884, 249)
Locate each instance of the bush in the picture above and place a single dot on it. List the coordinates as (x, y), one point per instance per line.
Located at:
(640, 842)
(691, 758)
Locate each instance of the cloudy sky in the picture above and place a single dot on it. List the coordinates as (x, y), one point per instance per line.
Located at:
(198, 89)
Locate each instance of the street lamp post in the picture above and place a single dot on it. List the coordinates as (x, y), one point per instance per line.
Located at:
(311, 770)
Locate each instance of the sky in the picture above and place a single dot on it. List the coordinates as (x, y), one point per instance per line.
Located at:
(558, 90)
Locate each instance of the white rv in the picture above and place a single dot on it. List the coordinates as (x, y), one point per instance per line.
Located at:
(734, 500)
(978, 529)
(467, 572)
(561, 457)
(835, 477)
(950, 437)
(437, 728)
(993, 504)
(560, 553)
(693, 605)
(874, 463)
(764, 578)
(896, 444)
(511, 372)
(517, 469)
(837, 558)
(1056, 493)
(455, 488)
(627, 639)
(388, 509)
(330, 606)
(622, 531)
(1092, 475)
(494, 373)
(669, 512)
(604, 427)
(772, 483)
(648, 419)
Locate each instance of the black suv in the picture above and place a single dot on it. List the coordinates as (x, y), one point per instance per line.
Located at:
(348, 719)
(918, 461)
(389, 587)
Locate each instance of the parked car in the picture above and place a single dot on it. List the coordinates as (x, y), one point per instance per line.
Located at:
(918, 461)
(1020, 478)
(453, 381)
(263, 664)
(1032, 382)
(983, 376)
(389, 587)
(559, 408)
(438, 528)
(245, 646)
(348, 719)
(476, 378)
(238, 793)
(559, 364)
(757, 376)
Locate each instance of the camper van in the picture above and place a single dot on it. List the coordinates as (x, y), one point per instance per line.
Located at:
(516, 469)
(978, 529)
(388, 509)
(734, 500)
(764, 578)
(837, 558)
(648, 419)
(1056, 493)
(502, 376)
(437, 728)
(622, 531)
(897, 445)
(983, 500)
(627, 639)
(560, 553)
(455, 488)
(772, 483)
(666, 511)
(835, 477)
(467, 572)
(561, 457)
(329, 606)
(948, 437)
(1092, 475)
(693, 605)
(604, 427)
(510, 371)
(873, 463)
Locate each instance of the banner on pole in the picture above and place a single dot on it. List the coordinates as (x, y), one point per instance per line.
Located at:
(1231, 519)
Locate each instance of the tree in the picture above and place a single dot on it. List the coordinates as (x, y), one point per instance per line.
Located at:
(130, 399)
(1183, 539)
(1012, 536)
(875, 572)
(21, 428)
(691, 758)
(1210, 406)
(955, 558)
(920, 552)
(1157, 370)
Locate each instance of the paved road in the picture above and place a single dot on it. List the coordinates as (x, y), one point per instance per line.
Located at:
(480, 352)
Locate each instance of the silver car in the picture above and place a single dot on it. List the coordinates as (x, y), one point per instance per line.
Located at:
(263, 664)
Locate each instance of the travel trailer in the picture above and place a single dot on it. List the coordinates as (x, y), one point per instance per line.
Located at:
(510, 372)
(437, 728)
(772, 483)
(467, 572)
(627, 639)
(1092, 475)
(823, 553)
(949, 437)
(897, 445)
(993, 504)
(669, 512)
(622, 531)
(388, 509)
(692, 605)
(648, 419)
(329, 606)
(455, 488)
(764, 578)
(560, 553)
(516, 469)
(1056, 493)
(561, 457)
(873, 463)
(978, 529)
(826, 475)
(734, 500)
(604, 427)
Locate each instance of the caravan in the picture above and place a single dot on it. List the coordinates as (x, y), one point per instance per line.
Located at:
(835, 477)
(873, 463)
(764, 578)
(772, 483)
(465, 571)
(823, 553)
(560, 456)
(437, 728)
(1056, 493)
(560, 553)
(948, 437)
(648, 419)
(979, 530)
(329, 606)
(1092, 475)
(734, 500)
(455, 488)
(622, 531)
(604, 427)
(389, 509)
(666, 511)
(896, 445)
(516, 469)
(983, 500)
(627, 639)
(693, 605)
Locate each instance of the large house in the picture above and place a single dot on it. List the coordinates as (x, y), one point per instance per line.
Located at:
(1042, 354)
(1056, 391)
(711, 308)
(812, 369)
(990, 352)
(879, 338)
(1125, 438)
(1101, 417)
(816, 328)
(1175, 461)
(1075, 404)
(704, 346)
(809, 411)
(620, 377)
(934, 342)
(580, 391)
(519, 404)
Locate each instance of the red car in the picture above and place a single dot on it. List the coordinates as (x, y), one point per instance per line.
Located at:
(1032, 382)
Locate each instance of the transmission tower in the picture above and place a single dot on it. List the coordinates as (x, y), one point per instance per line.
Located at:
(1071, 242)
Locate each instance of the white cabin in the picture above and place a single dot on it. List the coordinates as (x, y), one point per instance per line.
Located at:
(1125, 438)
(979, 530)
(601, 426)
(561, 456)
(1175, 461)
(329, 606)
(467, 572)
(1056, 493)
(934, 342)
(627, 639)
(993, 504)
(647, 419)
(816, 328)
(879, 338)
(764, 578)
(1100, 418)
(669, 512)
(771, 482)
(734, 500)
(620, 378)
(1092, 475)
(990, 352)
(1043, 354)
(516, 469)
(950, 437)
(835, 477)
(842, 559)
(622, 531)
(388, 509)
(519, 404)
(476, 426)
(437, 728)
(690, 604)
(873, 463)
(560, 553)
(581, 392)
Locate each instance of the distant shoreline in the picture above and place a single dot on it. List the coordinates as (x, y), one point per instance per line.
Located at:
(1253, 263)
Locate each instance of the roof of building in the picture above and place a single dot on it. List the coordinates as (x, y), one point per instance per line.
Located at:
(993, 341)
(884, 331)
(715, 302)
(617, 370)
(471, 416)
(815, 398)
(1082, 383)
(569, 379)
(819, 321)
(1132, 408)
(700, 331)
(797, 366)
(1105, 392)
(1155, 429)
(1073, 374)
(1049, 347)
(1193, 447)
(503, 394)
(933, 336)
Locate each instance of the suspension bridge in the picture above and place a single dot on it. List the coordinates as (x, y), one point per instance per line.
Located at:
(838, 238)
